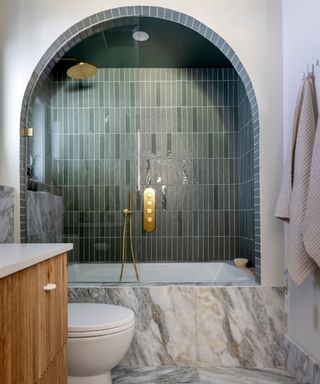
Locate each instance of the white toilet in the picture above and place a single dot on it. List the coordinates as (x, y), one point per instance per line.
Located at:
(99, 336)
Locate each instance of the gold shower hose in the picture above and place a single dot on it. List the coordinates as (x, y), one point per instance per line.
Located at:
(127, 212)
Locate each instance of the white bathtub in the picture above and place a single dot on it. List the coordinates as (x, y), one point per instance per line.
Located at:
(212, 273)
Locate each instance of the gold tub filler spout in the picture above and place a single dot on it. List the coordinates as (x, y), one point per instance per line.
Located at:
(127, 212)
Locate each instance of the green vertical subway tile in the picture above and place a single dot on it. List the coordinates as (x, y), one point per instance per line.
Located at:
(194, 119)
(96, 172)
(132, 94)
(200, 93)
(90, 146)
(179, 119)
(157, 90)
(102, 144)
(127, 121)
(184, 93)
(64, 171)
(90, 172)
(91, 120)
(121, 74)
(112, 172)
(106, 167)
(117, 146)
(80, 125)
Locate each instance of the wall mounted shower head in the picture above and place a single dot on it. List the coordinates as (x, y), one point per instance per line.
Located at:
(82, 71)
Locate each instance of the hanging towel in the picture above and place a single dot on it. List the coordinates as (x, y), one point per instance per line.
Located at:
(311, 230)
(284, 198)
(294, 189)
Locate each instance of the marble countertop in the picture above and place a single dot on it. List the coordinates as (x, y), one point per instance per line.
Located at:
(15, 257)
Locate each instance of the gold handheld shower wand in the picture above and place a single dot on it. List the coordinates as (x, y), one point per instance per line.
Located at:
(127, 212)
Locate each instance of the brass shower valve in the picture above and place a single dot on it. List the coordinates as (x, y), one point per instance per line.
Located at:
(149, 210)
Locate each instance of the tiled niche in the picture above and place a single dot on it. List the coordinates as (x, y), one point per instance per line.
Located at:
(185, 132)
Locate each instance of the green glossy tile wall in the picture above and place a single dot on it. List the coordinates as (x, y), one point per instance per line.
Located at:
(176, 130)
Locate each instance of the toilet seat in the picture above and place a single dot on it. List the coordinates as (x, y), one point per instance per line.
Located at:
(92, 320)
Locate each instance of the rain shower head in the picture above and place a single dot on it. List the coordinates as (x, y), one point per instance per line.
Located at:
(82, 71)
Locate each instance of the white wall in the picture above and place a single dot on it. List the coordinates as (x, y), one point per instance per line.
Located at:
(251, 27)
(301, 45)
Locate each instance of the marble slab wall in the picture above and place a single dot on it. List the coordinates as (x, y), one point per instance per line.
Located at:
(6, 214)
(198, 326)
(44, 217)
(300, 364)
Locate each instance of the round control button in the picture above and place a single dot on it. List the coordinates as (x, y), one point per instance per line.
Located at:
(149, 202)
(149, 219)
(149, 210)
(149, 194)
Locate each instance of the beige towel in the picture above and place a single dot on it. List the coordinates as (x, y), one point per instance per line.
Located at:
(294, 189)
(284, 198)
(311, 230)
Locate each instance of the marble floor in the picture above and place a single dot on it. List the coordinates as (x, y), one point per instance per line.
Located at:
(199, 376)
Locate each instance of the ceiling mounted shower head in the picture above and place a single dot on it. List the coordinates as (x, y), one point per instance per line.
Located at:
(82, 71)
(140, 36)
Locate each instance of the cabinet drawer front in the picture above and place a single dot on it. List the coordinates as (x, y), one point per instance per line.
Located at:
(52, 310)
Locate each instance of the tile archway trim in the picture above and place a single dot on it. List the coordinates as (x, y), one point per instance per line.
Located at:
(113, 17)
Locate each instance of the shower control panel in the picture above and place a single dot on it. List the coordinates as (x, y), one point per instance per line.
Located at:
(149, 210)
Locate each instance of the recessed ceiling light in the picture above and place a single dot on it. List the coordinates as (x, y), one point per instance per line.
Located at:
(140, 36)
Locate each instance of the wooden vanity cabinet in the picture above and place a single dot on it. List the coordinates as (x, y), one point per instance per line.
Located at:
(33, 324)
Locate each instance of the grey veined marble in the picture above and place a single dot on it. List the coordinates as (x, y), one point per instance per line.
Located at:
(165, 331)
(166, 375)
(190, 326)
(241, 326)
(300, 364)
(44, 217)
(6, 214)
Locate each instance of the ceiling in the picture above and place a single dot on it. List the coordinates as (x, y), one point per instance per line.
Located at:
(170, 45)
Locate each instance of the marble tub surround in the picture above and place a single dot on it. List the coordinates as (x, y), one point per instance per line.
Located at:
(6, 214)
(300, 364)
(249, 324)
(44, 217)
(165, 375)
(192, 326)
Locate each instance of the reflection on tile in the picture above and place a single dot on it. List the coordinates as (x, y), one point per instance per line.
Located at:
(6, 214)
(199, 376)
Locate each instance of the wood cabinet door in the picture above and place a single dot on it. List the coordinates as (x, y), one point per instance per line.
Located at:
(33, 323)
(56, 373)
(18, 327)
(52, 311)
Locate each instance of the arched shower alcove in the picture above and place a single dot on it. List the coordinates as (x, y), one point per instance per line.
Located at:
(239, 194)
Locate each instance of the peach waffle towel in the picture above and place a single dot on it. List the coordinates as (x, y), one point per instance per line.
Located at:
(295, 183)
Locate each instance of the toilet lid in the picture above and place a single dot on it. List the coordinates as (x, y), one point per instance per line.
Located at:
(85, 317)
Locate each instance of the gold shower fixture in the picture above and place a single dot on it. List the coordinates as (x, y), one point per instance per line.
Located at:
(127, 212)
(26, 132)
(82, 71)
(149, 210)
